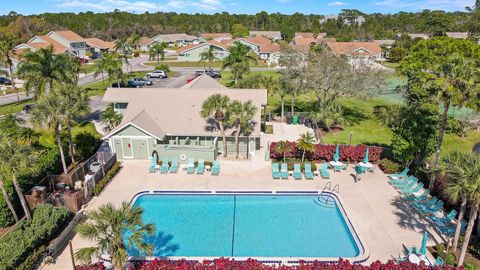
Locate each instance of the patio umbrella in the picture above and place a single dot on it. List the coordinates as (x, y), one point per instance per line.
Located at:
(336, 156)
(365, 160)
(423, 248)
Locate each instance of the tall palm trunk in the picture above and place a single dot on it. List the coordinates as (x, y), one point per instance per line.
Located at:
(443, 126)
(468, 232)
(458, 228)
(303, 156)
(19, 191)
(71, 147)
(237, 143)
(7, 200)
(292, 105)
(10, 70)
(224, 139)
(282, 102)
(60, 148)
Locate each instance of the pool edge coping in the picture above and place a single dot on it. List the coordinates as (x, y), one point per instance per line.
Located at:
(358, 238)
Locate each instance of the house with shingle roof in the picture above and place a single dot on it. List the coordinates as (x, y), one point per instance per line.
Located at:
(192, 52)
(62, 41)
(272, 35)
(167, 122)
(365, 50)
(144, 43)
(176, 40)
(263, 47)
(97, 45)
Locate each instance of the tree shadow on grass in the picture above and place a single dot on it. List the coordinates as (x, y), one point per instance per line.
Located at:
(411, 219)
(353, 115)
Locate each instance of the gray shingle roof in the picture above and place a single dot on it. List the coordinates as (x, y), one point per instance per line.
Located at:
(202, 82)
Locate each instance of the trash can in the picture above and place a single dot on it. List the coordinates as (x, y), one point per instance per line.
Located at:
(288, 118)
(295, 120)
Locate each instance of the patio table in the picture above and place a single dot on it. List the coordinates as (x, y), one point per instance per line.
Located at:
(366, 165)
(415, 258)
(336, 163)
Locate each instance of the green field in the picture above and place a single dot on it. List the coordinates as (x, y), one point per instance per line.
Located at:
(227, 76)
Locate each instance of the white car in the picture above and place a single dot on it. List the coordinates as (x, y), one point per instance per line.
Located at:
(157, 74)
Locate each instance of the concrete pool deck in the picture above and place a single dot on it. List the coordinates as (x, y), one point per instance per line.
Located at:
(379, 214)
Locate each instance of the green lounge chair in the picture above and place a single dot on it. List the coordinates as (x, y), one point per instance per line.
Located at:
(174, 166)
(412, 189)
(153, 165)
(201, 166)
(284, 171)
(190, 166)
(215, 167)
(164, 167)
(401, 174)
(324, 171)
(297, 173)
(308, 171)
(275, 171)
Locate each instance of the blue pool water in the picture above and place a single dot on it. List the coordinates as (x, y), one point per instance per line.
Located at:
(246, 226)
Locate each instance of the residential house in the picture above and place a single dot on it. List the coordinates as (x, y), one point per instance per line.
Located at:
(167, 122)
(357, 50)
(97, 45)
(458, 35)
(62, 42)
(192, 52)
(413, 36)
(176, 40)
(144, 43)
(386, 45)
(263, 48)
(218, 37)
(304, 44)
(272, 35)
(357, 20)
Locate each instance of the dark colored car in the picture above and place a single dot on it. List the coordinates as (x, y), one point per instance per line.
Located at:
(129, 84)
(4, 80)
(145, 81)
(210, 72)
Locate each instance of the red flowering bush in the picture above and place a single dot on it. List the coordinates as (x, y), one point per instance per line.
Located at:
(250, 264)
(96, 266)
(354, 153)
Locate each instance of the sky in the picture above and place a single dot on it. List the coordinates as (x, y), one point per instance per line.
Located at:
(27, 7)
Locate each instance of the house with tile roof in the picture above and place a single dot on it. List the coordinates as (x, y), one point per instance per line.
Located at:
(176, 40)
(219, 37)
(97, 45)
(192, 52)
(144, 43)
(167, 122)
(272, 35)
(356, 50)
(62, 42)
(263, 47)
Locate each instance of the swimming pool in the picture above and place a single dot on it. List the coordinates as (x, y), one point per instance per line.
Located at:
(249, 225)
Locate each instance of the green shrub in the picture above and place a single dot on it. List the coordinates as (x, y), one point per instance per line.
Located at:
(136, 53)
(470, 265)
(163, 67)
(86, 144)
(450, 259)
(28, 235)
(108, 177)
(389, 166)
(6, 217)
(454, 126)
(269, 129)
(31, 261)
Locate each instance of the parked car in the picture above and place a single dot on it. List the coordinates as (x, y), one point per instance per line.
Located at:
(189, 80)
(210, 72)
(4, 80)
(27, 108)
(157, 74)
(116, 84)
(145, 81)
(84, 60)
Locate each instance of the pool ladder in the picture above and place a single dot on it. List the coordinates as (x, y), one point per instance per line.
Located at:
(325, 199)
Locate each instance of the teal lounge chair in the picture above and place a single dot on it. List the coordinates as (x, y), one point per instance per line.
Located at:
(344, 166)
(418, 198)
(412, 189)
(275, 171)
(399, 181)
(337, 168)
(284, 171)
(153, 165)
(164, 167)
(324, 171)
(215, 167)
(297, 173)
(431, 210)
(401, 174)
(450, 229)
(444, 220)
(431, 202)
(438, 262)
(407, 184)
(174, 166)
(201, 166)
(308, 171)
(190, 166)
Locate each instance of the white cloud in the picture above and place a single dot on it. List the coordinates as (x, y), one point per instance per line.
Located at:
(448, 5)
(109, 5)
(336, 3)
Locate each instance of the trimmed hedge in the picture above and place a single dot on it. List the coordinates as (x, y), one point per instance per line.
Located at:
(105, 180)
(96, 266)
(389, 166)
(250, 264)
(354, 153)
(19, 244)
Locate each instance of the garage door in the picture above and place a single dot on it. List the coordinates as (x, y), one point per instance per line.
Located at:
(140, 149)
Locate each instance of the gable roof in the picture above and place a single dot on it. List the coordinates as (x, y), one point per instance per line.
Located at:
(145, 123)
(209, 36)
(175, 111)
(101, 44)
(68, 35)
(267, 34)
(175, 37)
(204, 82)
(208, 43)
(145, 41)
(354, 48)
(39, 42)
(304, 35)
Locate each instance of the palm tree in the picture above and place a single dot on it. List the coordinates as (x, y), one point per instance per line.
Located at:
(107, 227)
(43, 69)
(133, 41)
(100, 67)
(238, 60)
(458, 172)
(242, 114)
(157, 51)
(216, 107)
(12, 127)
(6, 198)
(306, 142)
(50, 112)
(122, 46)
(113, 67)
(16, 158)
(208, 56)
(7, 53)
(280, 87)
(472, 160)
(283, 147)
(110, 118)
(76, 106)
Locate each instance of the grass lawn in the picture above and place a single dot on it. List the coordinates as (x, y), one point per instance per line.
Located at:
(227, 76)
(216, 64)
(47, 137)
(87, 68)
(98, 88)
(389, 64)
(13, 107)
